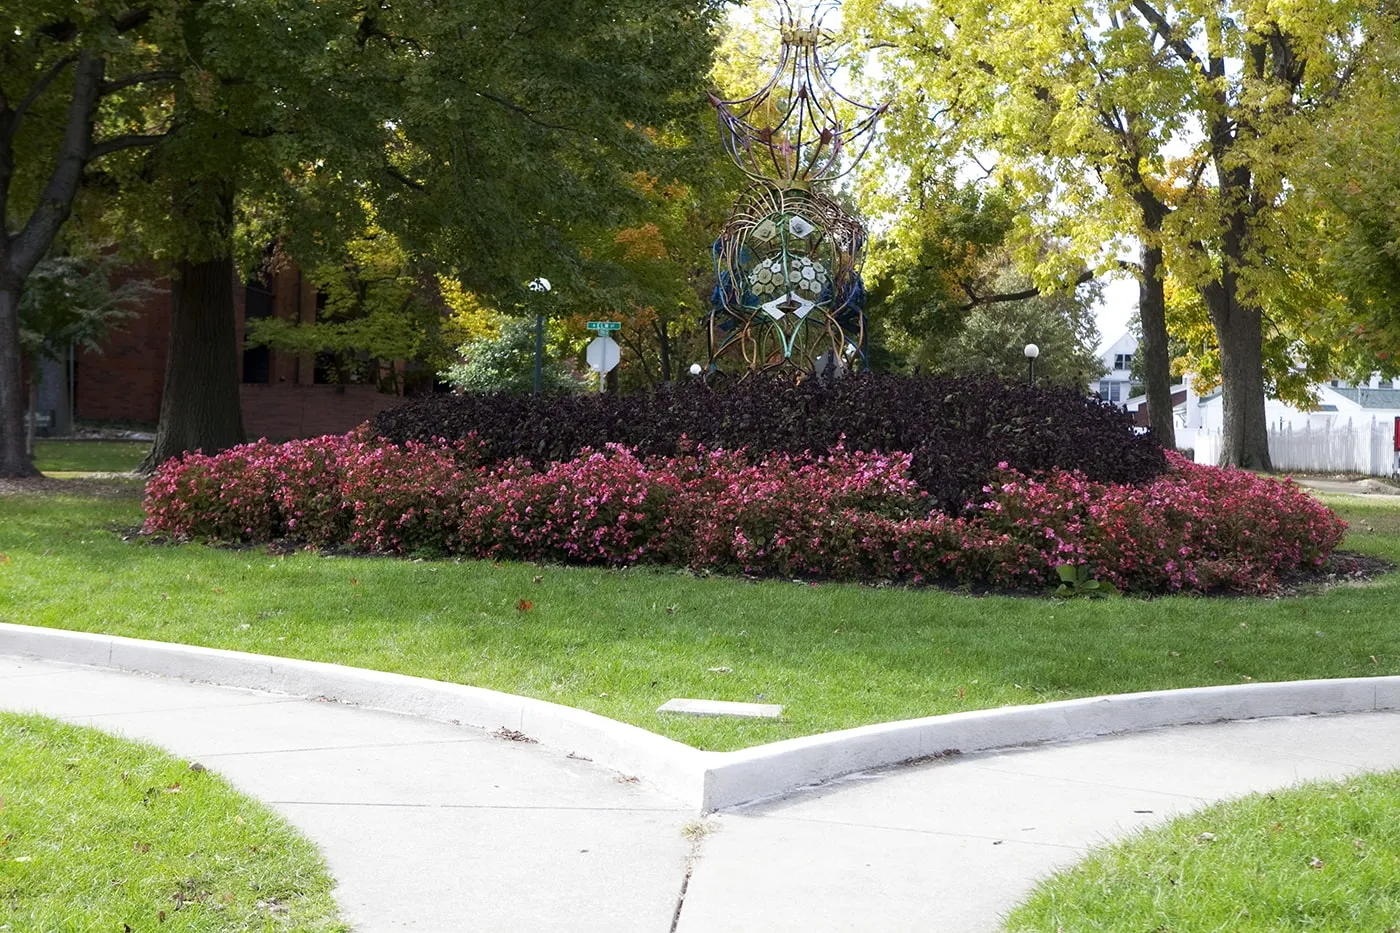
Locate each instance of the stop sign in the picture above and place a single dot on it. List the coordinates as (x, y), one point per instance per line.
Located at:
(603, 354)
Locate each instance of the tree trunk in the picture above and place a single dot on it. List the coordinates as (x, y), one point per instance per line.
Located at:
(1156, 358)
(199, 406)
(14, 458)
(1240, 332)
(663, 343)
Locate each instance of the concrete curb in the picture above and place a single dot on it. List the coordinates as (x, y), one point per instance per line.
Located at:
(674, 768)
(709, 780)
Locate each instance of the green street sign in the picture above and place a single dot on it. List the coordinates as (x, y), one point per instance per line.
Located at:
(604, 326)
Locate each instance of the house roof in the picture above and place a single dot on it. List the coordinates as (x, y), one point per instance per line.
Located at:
(1371, 398)
(1177, 390)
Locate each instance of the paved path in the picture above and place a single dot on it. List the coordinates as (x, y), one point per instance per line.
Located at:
(432, 827)
(951, 845)
(1365, 486)
(426, 826)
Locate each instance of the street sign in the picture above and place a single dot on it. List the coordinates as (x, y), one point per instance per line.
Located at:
(603, 354)
(603, 357)
(604, 326)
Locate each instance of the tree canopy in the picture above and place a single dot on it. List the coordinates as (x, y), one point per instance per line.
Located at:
(481, 134)
(1183, 128)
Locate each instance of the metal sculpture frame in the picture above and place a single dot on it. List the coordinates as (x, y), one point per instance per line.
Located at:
(789, 293)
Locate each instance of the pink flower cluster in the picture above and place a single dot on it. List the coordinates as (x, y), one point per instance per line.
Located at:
(1195, 528)
(843, 515)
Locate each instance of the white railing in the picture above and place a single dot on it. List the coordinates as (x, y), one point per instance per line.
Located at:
(1331, 446)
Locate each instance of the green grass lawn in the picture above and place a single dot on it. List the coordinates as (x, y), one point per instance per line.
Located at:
(1321, 858)
(97, 833)
(64, 458)
(621, 643)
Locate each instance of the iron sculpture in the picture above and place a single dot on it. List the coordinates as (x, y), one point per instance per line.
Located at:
(788, 289)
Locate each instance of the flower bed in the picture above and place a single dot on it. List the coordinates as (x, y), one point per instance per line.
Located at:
(846, 515)
(956, 429)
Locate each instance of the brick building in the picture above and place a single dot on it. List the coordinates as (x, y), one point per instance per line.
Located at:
(284, 395)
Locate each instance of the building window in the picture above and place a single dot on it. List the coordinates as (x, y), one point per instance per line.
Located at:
(1115, 392)
(1122, 361)
(257, 303)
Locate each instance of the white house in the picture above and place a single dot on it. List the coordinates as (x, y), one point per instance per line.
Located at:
(1116, 386)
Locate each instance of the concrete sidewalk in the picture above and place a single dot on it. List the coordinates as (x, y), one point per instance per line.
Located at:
(953, 844)
(433, 827)
(426, 826)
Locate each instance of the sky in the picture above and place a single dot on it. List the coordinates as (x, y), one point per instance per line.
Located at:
(1118, 305)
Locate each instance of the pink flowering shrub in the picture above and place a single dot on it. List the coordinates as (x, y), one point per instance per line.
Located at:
(226, 497)
(794, 516)
(846, 515)
(602, 507)
(1195, 528)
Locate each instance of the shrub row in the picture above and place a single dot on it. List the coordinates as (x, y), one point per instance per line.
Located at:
(847, 515)
(957, 429)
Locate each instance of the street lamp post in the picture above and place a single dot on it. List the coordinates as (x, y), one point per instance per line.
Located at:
(539, 286)
(1032, 351)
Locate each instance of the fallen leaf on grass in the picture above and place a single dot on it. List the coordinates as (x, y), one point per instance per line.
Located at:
(1206, 837)
(173, 788)
(1316, 864)
(721, 670)
(524, 605)
(197, 767)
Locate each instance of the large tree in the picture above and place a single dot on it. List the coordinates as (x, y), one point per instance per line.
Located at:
(520, 127)
(1177, 126)
(65, 70)
(480, 131)
(169, 118)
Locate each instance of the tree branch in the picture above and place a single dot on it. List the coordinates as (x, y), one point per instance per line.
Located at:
(1164, 31)
(1033, 292)
(403, 179)
(145, 78)
(1348, 72)
(39, 86)
(132, 19)
(118, 143)
(524, 112)
(56, 201)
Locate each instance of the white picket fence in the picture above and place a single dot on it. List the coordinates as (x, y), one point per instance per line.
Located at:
(1331, 446)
